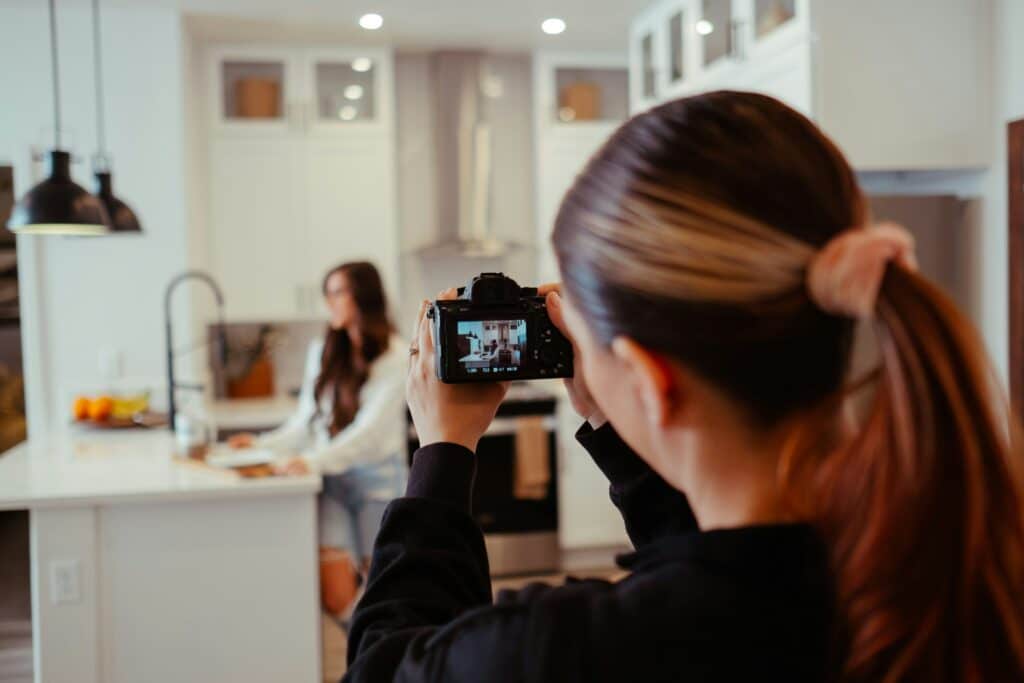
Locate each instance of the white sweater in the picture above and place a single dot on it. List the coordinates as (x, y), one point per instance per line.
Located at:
(375, 437)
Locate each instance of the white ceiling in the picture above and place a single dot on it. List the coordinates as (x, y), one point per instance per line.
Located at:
(412, 24)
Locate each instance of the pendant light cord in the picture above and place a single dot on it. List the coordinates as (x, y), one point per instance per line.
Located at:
(56, 69)
(101, 124)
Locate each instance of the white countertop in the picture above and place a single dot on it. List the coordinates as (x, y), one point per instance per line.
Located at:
(80, 468)
(251, 413)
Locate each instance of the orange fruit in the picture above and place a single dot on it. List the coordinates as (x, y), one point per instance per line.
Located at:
(80, 408)
(101, 409)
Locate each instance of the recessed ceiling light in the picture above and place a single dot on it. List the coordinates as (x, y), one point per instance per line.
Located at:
(704, 27)
(362, 64)
(552, 26)
(371, 22)
(353, 92)
(347, 113)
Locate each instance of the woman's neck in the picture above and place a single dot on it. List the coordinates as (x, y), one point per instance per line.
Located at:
(729, 476)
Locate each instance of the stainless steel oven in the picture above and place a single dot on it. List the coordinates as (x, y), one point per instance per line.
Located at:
(515, 496)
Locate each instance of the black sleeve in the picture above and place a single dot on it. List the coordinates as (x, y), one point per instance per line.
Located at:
(427, 613)
(650, 507)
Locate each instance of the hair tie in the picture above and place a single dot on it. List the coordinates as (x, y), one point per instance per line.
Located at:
(845, 276)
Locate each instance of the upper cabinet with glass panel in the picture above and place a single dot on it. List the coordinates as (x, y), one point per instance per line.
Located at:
(770, 15)
(800, 52)
(776, 25)
(717, 28)
(345, 91)
(649, 60)
(292, 91)
(676, 52)
(252, 89)
(591, 94)
(350, 89)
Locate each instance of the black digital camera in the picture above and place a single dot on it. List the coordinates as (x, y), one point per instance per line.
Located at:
(497, 331)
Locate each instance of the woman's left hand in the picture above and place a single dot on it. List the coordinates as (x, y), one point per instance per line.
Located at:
(293, 466)
(451, 413)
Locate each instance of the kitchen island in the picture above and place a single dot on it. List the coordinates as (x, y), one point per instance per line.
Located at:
(149, 568)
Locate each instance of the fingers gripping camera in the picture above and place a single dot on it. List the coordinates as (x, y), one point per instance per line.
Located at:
(497, 331)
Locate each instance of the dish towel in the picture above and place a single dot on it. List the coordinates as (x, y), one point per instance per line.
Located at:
(533, 462)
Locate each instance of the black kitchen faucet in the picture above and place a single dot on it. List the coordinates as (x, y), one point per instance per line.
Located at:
(221, 340)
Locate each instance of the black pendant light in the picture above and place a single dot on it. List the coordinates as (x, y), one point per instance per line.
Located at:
(122, 218)
(58, 206)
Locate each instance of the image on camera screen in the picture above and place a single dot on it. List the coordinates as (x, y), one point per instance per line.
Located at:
(492, 347)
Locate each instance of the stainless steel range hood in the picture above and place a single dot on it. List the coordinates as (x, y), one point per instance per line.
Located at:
(464, 158)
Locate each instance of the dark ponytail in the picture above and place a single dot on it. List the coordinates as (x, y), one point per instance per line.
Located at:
(923, 508)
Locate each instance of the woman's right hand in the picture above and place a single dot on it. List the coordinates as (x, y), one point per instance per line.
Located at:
(452, 413)
(579, 393)
(240, 441)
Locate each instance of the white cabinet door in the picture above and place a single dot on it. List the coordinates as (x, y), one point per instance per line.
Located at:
(785, 76)
(350, 204)
(256, 225)
(586, 516)
(564, 140)
(563, 156)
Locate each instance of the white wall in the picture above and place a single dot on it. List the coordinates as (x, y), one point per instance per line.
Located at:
(1008, 105)
(991, 291)
(89, 299)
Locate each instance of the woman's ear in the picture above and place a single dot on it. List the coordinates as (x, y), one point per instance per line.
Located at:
(654, 377)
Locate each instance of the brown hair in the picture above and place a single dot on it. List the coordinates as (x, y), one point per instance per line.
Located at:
(691, 231)
(342, 371)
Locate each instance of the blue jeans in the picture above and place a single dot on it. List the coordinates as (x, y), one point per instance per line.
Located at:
(352, 505)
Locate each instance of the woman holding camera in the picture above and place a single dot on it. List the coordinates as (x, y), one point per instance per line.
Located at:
(349, 424)
(790, 522)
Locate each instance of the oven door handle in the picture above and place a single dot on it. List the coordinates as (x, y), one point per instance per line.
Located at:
(504, 426)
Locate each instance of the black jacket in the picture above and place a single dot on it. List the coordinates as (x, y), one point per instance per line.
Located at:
(740, 604)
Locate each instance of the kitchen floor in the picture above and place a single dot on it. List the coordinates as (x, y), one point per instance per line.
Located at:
(335, 639)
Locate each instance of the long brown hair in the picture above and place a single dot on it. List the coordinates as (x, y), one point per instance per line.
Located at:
(691, 231)
(342, 371)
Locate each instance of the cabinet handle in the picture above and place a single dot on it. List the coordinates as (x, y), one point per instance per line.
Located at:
(735, 39)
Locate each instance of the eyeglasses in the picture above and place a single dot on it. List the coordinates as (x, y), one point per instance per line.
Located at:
(335, 293)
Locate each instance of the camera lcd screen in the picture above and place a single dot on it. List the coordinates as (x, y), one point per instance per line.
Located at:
(492, 348)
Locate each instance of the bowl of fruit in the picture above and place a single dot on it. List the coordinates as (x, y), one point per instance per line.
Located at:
(116, 411)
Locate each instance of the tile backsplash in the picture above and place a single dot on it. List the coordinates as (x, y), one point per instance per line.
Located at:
(286, 344)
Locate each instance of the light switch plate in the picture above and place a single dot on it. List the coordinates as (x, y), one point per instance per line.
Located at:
(65, 582)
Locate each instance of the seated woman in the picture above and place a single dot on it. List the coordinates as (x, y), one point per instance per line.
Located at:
(349, 424)
(790, 523)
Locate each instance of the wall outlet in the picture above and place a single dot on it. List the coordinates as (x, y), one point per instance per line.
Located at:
(111, 363)
(65, 582)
